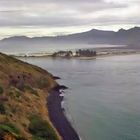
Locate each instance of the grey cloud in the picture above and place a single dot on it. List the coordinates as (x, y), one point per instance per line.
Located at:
(59, 13)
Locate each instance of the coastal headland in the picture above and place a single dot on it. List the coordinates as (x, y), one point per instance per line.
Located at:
(25, 90)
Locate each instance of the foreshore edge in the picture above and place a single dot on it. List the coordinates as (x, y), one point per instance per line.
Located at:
(57, 115)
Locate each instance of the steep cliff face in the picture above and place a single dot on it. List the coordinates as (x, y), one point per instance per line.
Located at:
(23, 92)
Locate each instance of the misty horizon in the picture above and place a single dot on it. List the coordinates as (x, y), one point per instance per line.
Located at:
(92, 29)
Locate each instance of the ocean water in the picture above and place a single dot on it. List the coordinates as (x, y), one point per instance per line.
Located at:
(103, 99)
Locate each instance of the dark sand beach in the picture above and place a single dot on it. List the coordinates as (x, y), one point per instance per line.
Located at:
(58, 118)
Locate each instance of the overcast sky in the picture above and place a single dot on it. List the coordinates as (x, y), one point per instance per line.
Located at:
(56, 17)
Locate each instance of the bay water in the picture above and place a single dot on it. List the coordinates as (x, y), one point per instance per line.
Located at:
(103, 99)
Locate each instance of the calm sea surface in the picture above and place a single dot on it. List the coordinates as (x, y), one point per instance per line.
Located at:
(103, 100)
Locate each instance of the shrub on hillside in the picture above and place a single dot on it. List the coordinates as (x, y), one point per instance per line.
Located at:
(14, 93)
(37, 138)
(1, 90)
(20, 138)
(2, 109)
(41, 129)
(31, 90)
(10, 128)
(43, 82)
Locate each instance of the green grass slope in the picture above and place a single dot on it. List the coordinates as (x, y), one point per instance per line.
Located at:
(23, 92)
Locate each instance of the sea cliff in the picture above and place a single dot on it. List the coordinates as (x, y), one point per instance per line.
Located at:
(23, 93)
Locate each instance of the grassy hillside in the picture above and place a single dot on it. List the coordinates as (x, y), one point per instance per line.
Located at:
(23, 92)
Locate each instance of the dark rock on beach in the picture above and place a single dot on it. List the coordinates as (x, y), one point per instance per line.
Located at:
(56, 78)
(60, 87)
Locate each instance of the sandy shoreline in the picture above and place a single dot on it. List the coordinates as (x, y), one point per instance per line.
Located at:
(58, 118)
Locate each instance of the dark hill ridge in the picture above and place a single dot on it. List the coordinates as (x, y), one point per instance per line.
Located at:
(123, 37)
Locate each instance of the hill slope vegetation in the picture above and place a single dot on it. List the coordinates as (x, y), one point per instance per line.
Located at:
(23, 92)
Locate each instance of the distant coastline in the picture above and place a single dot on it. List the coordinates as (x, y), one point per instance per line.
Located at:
(100, 53)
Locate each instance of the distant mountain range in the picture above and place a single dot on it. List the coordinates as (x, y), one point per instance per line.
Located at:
(121, 37)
